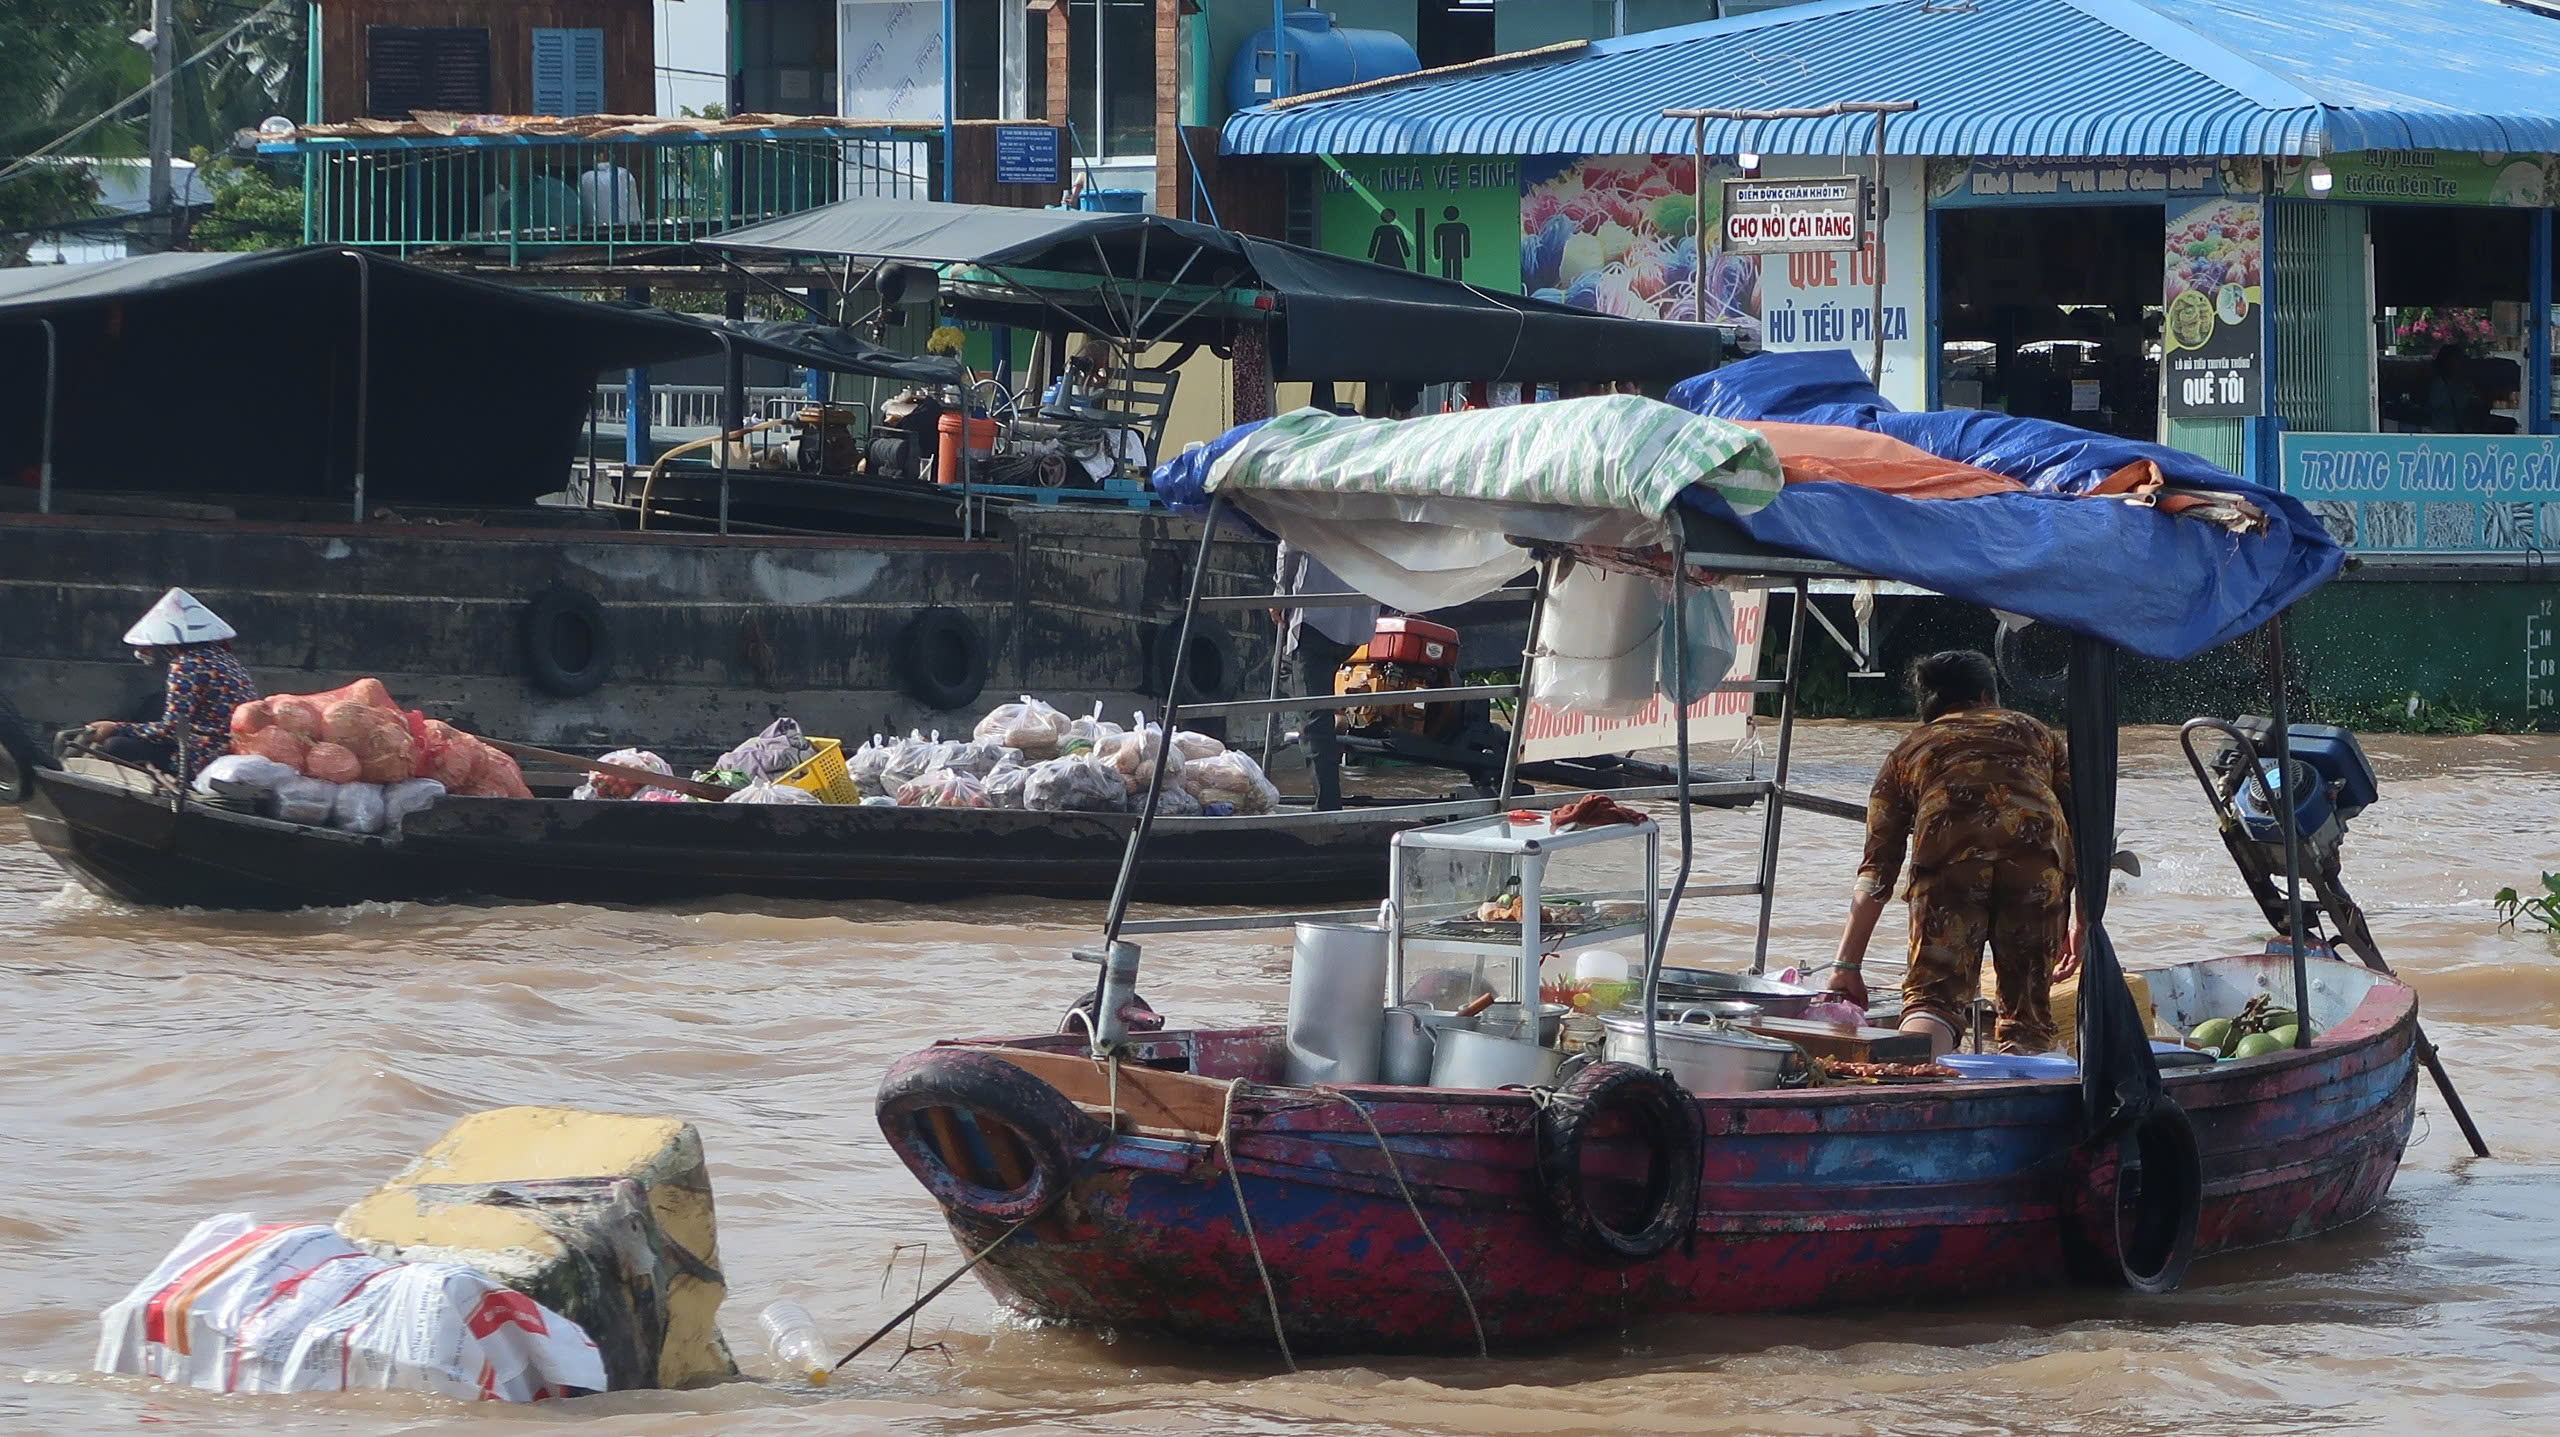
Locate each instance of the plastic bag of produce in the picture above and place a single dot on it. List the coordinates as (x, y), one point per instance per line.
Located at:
(1234, 779)
(335, 762)
(614, 785)
(879, 800)
(863, 766)
(765, 790)
(358, 808)
(417, 795)
(243, 775)
(241, 1306)
(1004, 787)
(1136, 752)
(1029, 725)
(1175, 802)
(306, 800)
(772, 753)
(974, 757)
(1075, 785)
(1083, 735)
(910, 758)
(943, 788)
(378, 737)
(1196, 746)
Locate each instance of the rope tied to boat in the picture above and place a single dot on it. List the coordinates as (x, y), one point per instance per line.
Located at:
(1483, 1349)
(1252, 1244)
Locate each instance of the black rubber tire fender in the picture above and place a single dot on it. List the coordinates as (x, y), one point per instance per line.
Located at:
(2138, 1194)
(1660, 1112)
(987, 1139)
(2010, 651)
(568, 645)
(942, 659)
(1215, 673)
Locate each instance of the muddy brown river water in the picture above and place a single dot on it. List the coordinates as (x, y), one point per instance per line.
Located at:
(159, 1067)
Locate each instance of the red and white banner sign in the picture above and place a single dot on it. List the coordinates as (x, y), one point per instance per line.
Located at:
(1769, 216)
(1550, 733)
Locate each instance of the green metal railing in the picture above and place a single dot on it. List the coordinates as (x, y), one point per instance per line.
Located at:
(520, 195)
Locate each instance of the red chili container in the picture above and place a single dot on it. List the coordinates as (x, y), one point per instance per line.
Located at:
(1414, 641)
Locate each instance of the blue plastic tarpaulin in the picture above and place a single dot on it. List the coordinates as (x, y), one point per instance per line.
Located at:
(2152, 584)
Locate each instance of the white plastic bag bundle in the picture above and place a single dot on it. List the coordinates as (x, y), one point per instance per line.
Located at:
(1085, 734)
(1004, 787)
(1175, 802)
(911, 758)
(241, 1306)
(1234, 779)
(1029, 725)
(1196, 746)
(974, 757)
(772, 753)
(306, 800)
(1135, 754)
(943, 788)
(765, 790)
(416, 795)
(613, 785)
(1598, 644)
(243, 776)
(1075, 785)
(863, 766)
(358, 808)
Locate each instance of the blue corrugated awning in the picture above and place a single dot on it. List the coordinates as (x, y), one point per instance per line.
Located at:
(2029, 78)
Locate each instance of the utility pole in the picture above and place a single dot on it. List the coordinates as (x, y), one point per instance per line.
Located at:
(164, 224)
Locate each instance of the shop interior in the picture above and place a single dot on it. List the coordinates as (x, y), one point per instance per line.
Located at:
(2450, 289)
(2054, 313)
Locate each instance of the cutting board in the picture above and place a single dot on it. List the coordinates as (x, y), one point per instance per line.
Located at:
(1850, 1045)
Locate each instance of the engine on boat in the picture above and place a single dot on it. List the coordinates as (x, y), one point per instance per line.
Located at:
(2330, 783)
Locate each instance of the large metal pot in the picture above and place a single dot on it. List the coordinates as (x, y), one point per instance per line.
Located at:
(1702, 985)
(1412, 1039)
(1469, 1059)
(1510, 1020)
(1337, 1003)
(1706, 1058)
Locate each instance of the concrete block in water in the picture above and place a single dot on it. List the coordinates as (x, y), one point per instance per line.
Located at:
(603, 1217)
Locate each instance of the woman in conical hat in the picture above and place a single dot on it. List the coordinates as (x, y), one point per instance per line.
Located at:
(205, 684)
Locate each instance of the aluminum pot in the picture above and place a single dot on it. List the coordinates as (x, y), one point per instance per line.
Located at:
(1470, 1059)
(1729, 1011)
(1506, 1020)
(1337, 1004)
(1412, 1038)
(1706, 1058)
(1685, 986)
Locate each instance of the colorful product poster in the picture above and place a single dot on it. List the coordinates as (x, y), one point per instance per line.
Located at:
(2428, 493)
(1618, 234)
(1447, 215)
(2213, 361)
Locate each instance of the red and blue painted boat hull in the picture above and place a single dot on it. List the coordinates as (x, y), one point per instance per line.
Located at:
(1810, 1199)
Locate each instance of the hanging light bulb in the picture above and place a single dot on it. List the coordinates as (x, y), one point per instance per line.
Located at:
(1748, 159)
(2318, 179)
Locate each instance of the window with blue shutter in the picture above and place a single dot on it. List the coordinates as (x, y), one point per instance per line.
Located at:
(568, 72)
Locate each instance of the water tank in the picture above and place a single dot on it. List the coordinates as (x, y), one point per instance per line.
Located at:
(1321, 56)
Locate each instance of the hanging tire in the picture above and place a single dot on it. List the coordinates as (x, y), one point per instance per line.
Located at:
(942, 659)
(987, 1139)
(1647, 1106)
(568, 646)
(2025, 668)
(1213, 672)
(2132, 1220)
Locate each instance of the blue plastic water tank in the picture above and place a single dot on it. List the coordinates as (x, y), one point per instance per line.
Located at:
(1321, 57)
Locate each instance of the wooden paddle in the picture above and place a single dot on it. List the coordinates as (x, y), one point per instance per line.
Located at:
(642, 776)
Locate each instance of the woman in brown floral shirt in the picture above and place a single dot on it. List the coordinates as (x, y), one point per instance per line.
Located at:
(1980, 795)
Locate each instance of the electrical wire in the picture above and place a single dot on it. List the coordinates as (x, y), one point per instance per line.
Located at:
(28, 161)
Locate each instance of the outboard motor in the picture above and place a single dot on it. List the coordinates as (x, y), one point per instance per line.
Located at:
(2331, 783)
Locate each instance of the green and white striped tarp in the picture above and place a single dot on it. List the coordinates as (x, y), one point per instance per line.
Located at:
(1619, 452)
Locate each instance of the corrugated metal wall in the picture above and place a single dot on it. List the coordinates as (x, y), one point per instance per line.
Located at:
(2323, 317)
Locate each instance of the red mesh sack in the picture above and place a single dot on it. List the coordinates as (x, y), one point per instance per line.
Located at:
(287, 748)
(334, 762)
(252, 716)
(296, 715)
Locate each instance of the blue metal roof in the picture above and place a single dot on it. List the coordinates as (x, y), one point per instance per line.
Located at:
(2000, 77)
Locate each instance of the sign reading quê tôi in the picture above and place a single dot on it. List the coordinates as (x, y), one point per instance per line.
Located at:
(1775, 216)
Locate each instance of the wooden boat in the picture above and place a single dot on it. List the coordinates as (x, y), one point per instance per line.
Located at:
(125, 840)
(1808, 1198)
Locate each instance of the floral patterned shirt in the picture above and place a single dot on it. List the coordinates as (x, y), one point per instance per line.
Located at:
(205, 684)
(1976, 784)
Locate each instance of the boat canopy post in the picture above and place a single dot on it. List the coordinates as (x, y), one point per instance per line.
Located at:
(1520, 706)
(364, 367)
(2286, 798)
(1777, 815)
(1680, 742)
(734, 423)
(52, 369)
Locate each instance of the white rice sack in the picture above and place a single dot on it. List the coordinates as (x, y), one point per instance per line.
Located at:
(306, 800)
(358, 808)
(243, 775)
(416, 795)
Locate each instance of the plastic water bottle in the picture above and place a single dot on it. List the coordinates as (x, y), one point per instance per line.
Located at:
(793, 1335)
